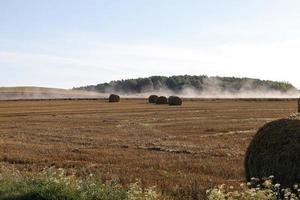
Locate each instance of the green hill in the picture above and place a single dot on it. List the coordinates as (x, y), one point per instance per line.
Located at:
(177, 84)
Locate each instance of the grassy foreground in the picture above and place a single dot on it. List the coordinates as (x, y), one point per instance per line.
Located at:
(52, 184)
(58, 184)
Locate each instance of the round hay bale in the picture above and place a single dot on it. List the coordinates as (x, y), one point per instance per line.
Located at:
(162, 100)
(174, 101)
(152, 99)
(114, 98)
(275, 150)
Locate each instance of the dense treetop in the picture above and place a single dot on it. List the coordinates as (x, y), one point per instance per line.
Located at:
(178, 83)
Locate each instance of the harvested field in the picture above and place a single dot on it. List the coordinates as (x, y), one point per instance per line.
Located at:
(192, 147)
(22, 93)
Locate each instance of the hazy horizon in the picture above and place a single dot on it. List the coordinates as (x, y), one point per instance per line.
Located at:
(65, 44)
(45, 86)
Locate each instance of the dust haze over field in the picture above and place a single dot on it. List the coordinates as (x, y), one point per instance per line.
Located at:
(186, 93)
(15, 93)
(212, 88)
(215, 93)
(257, 93)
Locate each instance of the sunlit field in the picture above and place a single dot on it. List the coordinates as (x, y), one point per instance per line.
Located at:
(181, 150)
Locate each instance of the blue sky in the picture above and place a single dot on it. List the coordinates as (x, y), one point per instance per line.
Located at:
(66, 43)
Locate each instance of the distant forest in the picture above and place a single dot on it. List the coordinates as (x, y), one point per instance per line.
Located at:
(177, 84)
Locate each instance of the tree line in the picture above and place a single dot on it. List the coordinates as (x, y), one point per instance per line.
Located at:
(178, 83)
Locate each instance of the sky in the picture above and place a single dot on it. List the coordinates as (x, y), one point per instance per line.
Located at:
(70, 43)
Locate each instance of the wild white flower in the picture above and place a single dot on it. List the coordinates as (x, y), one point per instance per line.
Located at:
(287, 194)
(268, 184)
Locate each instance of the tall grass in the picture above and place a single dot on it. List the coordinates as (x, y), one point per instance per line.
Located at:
(58, 184)
(52, 184)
